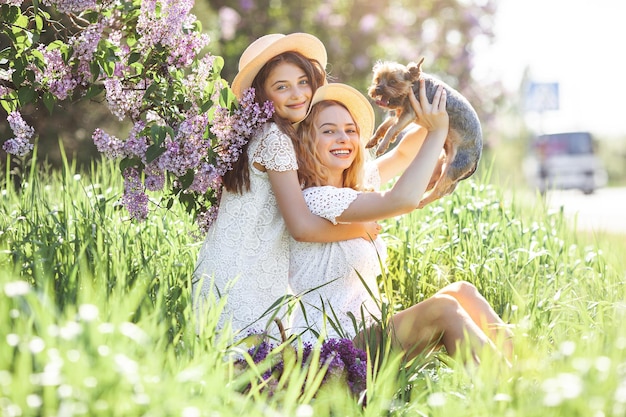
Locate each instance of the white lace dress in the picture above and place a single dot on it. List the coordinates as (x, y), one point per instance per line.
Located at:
(326, 275)
(245, 255)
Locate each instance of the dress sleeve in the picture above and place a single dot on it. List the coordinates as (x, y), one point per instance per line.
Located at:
(329, 202)
(275, 150)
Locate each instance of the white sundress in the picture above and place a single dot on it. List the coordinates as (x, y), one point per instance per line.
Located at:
(326, 275)
(245, 255)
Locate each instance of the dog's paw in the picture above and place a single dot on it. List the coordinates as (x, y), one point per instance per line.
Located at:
(372, 142)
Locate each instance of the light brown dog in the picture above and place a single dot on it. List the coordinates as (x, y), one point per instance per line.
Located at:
(463, 147)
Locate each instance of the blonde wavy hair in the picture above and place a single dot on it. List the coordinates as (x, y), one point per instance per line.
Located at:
(310, 172)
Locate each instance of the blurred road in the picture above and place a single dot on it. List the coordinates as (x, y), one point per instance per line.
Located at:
(604, 210)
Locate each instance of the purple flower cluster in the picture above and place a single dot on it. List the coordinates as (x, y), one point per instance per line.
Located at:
(57, 75)
(234, 130)
(344, 361)
(108, 145)
(124, 98)
(71, 6)
(134, 198)
(169, 25)
(198, 80)
(19, 145)
(187, 150)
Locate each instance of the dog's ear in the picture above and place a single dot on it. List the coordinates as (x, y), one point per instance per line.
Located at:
(415, 70)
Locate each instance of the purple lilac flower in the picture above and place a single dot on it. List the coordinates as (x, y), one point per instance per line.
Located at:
(205, 178)
(188, 149)
(19, 127)
(200, 76)
(165, 25)
(344, 358)
(19, 145)
(123, 99)
(12, 2)
(233, 131)
(57, 75)
(155, 178)
(136, 145)
(186, 48)
(109, 145)
(71, 6)
(134, 199)
(86, 43)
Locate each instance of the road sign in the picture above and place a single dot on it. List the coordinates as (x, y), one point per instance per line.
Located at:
(542, 96)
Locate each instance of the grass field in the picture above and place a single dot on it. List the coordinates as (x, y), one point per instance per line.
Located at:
(96, 318)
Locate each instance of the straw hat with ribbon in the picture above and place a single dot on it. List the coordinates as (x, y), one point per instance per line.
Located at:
(267, 47)
(359, 106)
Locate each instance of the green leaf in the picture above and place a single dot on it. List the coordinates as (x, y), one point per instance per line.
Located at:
(9, 13)
(21, 22)
(93, 91)
(48, 101)
(25, 95)
(94, 67)
(38, 22)
(134, 57)
(18, 75)
(130, 163)
(157, 133)
(23, 39)
(38, 59)
(224, 97)
(9, 104)
(153, 152)
(108, 67)
(187, 179)
(218, 64)
(206, 106)
(57, 44)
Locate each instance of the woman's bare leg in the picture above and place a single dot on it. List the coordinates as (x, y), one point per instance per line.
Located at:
(439, 320)
(482, 314)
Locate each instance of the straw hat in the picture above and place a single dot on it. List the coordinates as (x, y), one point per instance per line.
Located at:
(360, 108)
(267, 47)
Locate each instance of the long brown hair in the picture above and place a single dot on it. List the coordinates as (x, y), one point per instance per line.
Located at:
(310, 172)
(238, 179)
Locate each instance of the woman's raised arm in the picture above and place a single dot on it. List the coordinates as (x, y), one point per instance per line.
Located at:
(305, 226)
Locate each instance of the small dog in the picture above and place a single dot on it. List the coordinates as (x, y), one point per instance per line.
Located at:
(463, 147)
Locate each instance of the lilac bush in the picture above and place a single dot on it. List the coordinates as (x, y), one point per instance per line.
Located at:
(146, 60)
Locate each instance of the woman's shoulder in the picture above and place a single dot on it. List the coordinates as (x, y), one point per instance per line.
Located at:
(329, 202)
(273, 149)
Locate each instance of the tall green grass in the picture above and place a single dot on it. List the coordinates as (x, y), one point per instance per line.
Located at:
(96, 317)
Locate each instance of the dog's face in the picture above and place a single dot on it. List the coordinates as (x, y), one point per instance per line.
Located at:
(392, 82)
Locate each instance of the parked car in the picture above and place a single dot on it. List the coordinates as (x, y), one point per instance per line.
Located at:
(564, 161)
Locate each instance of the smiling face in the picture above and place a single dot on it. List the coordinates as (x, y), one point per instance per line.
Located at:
(289, 88)
(337, 141)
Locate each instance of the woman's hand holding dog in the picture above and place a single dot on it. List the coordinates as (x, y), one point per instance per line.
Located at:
(432, 116)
